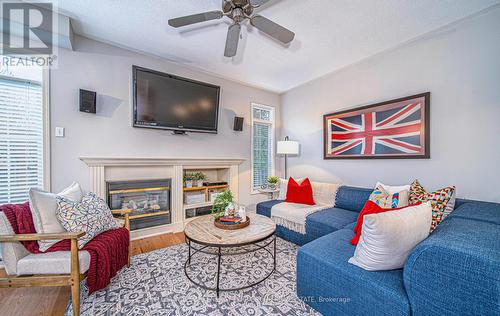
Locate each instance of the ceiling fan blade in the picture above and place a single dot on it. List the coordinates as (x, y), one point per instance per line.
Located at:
(258, 3)
(195, 18)
(233, 37)
(272, 29)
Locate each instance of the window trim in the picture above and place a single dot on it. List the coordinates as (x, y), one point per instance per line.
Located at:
(47, 183)
(46, 155)
(272, 123)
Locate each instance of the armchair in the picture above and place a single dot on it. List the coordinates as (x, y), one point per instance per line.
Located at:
(61, 268)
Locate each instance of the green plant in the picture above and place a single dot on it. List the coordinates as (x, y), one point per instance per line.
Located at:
(199, 176)
(273, 180)
(220, 203)
(188, 177)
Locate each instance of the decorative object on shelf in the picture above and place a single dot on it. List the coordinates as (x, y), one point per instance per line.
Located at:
(220, 204)
(199, 177)
(286, 148)
(242, 212)
(272, 182)
(188, 180)
(392, 129)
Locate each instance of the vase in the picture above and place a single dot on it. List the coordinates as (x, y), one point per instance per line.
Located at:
(189, 184)
(272, 186)
(199, 183)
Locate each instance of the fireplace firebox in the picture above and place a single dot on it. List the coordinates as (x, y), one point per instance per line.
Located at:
(149, 200)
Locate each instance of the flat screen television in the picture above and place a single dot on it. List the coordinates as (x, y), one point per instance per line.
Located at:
(165, 101)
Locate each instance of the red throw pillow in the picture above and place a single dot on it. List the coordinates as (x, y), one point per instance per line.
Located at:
(302, 193)
(370, 208)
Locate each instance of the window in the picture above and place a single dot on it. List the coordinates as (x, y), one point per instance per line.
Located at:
(22, 133)
(262, 144)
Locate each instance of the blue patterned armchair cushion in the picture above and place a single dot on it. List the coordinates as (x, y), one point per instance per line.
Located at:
(351, 198)
(91, 215)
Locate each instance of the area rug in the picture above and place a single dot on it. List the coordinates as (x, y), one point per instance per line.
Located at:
(155, 284)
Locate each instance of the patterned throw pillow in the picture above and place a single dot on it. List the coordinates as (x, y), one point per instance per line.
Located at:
(386, 200)
(91, 215)
(442, 201)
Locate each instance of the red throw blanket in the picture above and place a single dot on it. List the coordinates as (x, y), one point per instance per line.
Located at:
(108, 250)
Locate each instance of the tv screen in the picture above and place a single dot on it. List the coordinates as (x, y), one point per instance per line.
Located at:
(169, 102)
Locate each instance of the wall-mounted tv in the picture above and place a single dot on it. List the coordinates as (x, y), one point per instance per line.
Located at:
(165, 101)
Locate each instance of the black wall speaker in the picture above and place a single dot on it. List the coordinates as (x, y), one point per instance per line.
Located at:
(87, 101)
(238, 124)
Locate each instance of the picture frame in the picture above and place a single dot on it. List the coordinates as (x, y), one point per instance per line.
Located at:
(394, 129)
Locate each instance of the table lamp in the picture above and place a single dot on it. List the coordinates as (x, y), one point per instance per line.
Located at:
(287, 147)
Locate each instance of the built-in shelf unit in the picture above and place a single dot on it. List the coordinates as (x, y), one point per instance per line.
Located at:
(198, 200)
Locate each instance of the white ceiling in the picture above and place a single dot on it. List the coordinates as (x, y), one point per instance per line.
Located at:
(330, 34)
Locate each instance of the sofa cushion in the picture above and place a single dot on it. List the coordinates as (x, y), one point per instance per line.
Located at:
(317, 224)
(58, 262)
(327, 221)
(351, 198)
(456, 270)
(264, 208)
(481, 211)
(327, 282)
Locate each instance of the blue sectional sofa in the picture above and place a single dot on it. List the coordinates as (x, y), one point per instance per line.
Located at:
(455, 271)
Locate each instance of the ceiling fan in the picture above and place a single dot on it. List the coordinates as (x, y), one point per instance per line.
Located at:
(238, 11)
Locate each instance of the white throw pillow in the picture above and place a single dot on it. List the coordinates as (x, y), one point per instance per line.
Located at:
(43, 209)
(391, 189)
(324, 193)
(388, 238)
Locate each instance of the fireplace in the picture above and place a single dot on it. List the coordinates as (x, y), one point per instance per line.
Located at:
(149, 201)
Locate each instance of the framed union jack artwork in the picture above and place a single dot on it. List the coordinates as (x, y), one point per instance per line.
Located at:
(392, 129)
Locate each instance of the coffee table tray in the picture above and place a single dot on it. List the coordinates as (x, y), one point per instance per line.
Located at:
(232, 226)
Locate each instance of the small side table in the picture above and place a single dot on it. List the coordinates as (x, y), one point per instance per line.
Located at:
(270, 192)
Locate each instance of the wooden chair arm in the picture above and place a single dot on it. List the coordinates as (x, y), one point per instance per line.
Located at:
(125, 214)
(29, 237)
(121, 212)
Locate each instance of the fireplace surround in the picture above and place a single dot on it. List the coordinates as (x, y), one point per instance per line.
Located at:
(149, 201)
(106, 170)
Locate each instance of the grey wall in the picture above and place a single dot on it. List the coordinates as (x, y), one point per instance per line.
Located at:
(460, 66)
(108, 71)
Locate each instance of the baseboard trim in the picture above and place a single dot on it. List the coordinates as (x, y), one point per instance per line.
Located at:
(155, 231)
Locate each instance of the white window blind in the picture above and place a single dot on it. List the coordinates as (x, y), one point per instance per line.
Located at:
(21, 139)
(262, 145)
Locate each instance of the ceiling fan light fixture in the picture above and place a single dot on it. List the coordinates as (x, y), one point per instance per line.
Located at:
(238, 11)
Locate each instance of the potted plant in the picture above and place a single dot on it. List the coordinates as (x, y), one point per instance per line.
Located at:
(272, 182)
(199, 177)
(188, 180)
(220, 203)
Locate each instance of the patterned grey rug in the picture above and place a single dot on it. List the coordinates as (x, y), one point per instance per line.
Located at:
(155, 284)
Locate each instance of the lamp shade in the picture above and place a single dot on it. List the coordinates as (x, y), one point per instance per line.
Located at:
(287, 147)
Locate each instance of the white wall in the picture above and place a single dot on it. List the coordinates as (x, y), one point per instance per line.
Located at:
(108, 71)
(460, 66)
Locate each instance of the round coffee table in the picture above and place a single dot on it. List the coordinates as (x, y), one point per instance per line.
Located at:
(202, 235)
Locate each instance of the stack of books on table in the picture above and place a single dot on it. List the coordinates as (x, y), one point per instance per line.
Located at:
(230, 220)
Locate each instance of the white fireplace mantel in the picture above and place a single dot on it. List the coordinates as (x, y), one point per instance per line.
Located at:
(104, 169)
(138, 161)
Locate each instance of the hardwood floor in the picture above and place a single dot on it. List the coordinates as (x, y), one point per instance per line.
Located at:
(51, 301)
